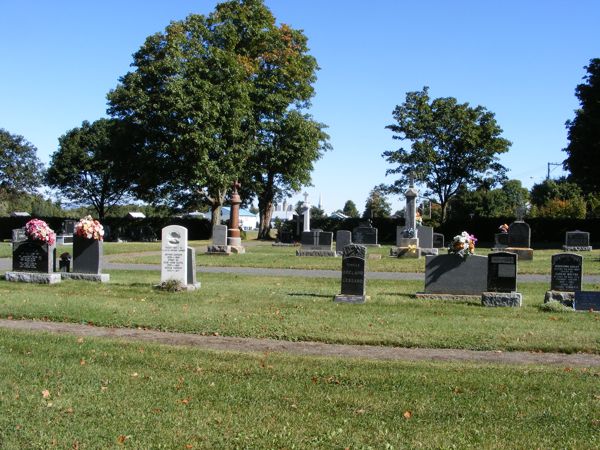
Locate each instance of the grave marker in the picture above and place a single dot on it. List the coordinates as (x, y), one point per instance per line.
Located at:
(353, 274)
(342, 238)
(453, 276)
(577, 241)
(178, 260)
(502, 281)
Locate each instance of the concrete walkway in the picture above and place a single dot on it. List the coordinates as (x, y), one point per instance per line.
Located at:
(251, 345)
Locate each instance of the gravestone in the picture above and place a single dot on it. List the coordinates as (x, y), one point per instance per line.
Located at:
(502, 281)
(176, 264)
(566, 272)
(285, 237)
(451, 275)
(353, 274)
(438, 240)
(425, 235)
(577, 241)
(342, 238)
(191, 268)
(33, 262)
(316, 243)
(519, 240)
(587, 301)
(219, 241)
(565, 279)
(365, 234)
(18, 235)
(407, 244)
(500, 240)
(87, 260)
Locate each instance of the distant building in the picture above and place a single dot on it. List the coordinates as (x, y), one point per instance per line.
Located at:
(248, 221)
(338, 215)
(20, 214)
(136, 215)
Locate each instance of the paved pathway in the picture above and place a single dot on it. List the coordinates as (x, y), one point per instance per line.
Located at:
(251, 345)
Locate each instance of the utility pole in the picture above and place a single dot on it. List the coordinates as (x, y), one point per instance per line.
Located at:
(551, 164)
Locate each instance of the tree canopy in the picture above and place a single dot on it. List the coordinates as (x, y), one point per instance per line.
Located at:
(92, 165)
(583, 161)
(350, 209)
(377, 204)
(211, 98)
(453, 145)
(20, 168)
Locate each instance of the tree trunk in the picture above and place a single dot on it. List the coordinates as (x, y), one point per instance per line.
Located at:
(215, 215)
(265, 211)
(444, 207)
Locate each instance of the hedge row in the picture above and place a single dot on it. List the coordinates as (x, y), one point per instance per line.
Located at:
(148, 229)
(544, 232)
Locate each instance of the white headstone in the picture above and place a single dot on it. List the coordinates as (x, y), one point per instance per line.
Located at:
(174, 259)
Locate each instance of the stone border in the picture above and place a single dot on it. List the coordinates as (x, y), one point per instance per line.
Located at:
(33, 277)
(100, 277)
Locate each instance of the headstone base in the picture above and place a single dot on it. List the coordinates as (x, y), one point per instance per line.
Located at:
(33, 277)
(499, 248)
(283, 244)
(356, 299)
(99, 277)
(314, 252)
(433, 296)
(566, 298)
(511, 299)
(192, 287)
(406, 242)
(234, 241)
(371, 245)
(239, 249)
(218, 250)
(405, 252)
(524, 254)
(587, 248)
(430, 251)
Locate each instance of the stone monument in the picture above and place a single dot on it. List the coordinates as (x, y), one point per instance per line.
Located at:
(306, 213)
(519, 240)
(407, 240)
(178, 260)
(502, 281)
(353, 275)
(565, 279)
(234, 241)
(577, 241)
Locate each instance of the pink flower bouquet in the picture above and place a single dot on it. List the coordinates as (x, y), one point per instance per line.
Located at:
(38, 230)
(90, 229)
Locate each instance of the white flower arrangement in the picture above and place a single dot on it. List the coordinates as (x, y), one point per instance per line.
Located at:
(463, 244)
(90, 229)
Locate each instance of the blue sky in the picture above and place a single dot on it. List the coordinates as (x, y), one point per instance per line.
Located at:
(520, 59)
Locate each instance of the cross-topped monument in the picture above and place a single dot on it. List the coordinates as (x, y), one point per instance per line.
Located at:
(306, 212)
(410, 211)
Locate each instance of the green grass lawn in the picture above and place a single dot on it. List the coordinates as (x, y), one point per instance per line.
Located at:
(292, 308)
(264, 255)
(65, 392)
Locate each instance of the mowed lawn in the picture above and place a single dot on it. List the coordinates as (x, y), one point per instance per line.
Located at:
(68, 392)
(302, 309)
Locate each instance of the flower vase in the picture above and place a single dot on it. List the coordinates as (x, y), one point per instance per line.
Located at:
(87, 255)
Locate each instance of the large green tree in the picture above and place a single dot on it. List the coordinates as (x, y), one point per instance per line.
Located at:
(377, 204)
(93, 166)
(20, 168)
(350, 209)
(453, 145)
(583, 161)
(485, 202)
(217, 98)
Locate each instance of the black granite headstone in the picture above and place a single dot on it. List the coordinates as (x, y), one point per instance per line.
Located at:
(577, 239)
(519, 235)
(454, 275)
(587, 301)
(353, 270)
(365, 234)
(33, 256)
(501, 239)
(87, 255)
(502, 272)
(325, 238)
(285, 237)
(308, 238)
(438, 240)
(566, 272)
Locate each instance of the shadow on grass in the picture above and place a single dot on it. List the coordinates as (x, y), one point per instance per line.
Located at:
(306, 294)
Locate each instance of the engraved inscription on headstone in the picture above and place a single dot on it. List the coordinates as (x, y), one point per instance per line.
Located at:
(353, 270)
(502, 272)
(174, 254)
(219, 236)
(566, 272)
(577, 239)
(32, 256)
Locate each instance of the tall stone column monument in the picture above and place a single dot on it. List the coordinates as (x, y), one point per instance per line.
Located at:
(234, 241)
(306, 213)
(407, 240)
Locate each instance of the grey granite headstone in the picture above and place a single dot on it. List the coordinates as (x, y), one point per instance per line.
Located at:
(353, 274)
(219, 236)
(502, 272)
(438, 240)
(577, 241)
(33, 256)
(566, 272)
(587, 301)
(519, 235)
(454, 275)
(18, 235)
(174, 260)
(191, 268)
(342, 238)
(425, 235)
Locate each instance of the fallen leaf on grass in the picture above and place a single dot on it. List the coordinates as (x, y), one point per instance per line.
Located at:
(185, 401)
(82, 362)
(134, 375)
(568, 369)
(45, 393)
(122, 438)
(80, 340)
(407, 414)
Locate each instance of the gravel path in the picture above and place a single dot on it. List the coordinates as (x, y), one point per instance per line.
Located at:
(251, 345)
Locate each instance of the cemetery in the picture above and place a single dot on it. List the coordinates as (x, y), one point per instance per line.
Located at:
(168, 278)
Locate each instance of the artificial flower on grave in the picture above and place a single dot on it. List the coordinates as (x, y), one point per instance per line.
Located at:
(38, 230)
(418, 219)
(463, 244)
(89, 228)
(409, 233)
(412, 249)
(503, 228)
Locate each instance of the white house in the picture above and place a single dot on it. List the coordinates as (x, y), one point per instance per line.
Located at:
(248, 221)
